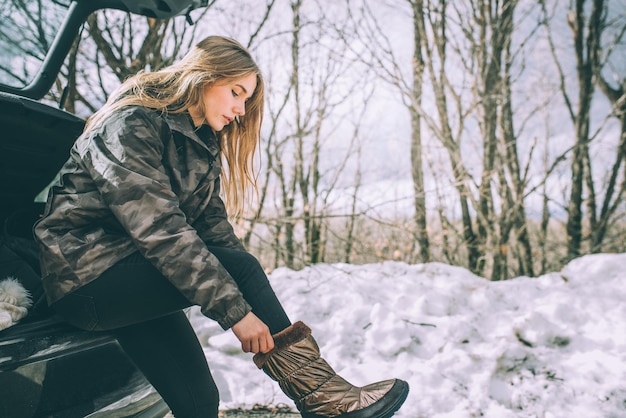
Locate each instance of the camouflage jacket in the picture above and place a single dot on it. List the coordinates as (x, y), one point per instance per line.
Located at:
(142, 181)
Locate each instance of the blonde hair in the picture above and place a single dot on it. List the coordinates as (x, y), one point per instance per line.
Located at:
(179, 87)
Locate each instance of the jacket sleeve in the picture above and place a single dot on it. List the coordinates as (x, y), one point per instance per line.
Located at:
(125, 161)
(213, 225)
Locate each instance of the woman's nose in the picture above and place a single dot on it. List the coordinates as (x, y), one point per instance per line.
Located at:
(240, 109)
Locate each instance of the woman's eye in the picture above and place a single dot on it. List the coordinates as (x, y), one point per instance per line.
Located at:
(235, 93)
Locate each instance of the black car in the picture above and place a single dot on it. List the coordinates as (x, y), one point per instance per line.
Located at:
(48, 368)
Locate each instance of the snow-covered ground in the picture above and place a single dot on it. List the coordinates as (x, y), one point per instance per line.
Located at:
(549, 347)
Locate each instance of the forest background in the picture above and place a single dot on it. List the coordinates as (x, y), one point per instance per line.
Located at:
(487, 134)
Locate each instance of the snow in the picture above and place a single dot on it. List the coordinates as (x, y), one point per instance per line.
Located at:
(550, 347)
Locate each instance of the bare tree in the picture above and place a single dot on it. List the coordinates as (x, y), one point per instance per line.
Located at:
(463, 59)
(382, 58)
(417, 171)
(354, 214)
(306, 119)
(432, 26)
(613, 84)
(587, 61)
(490, 33)
(587, 21)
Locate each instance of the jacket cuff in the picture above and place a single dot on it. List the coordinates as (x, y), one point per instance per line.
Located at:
(234, 315)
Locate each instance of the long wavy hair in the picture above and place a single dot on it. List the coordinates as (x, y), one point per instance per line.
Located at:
(179, 87)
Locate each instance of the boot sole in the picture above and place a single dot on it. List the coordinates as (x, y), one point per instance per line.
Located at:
(384, 408)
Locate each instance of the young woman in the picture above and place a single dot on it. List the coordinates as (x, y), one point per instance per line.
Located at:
(136, 230)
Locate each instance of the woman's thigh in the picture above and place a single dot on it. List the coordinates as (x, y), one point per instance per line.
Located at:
(130, 292)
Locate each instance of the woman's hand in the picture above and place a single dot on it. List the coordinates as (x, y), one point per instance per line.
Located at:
(254, 335)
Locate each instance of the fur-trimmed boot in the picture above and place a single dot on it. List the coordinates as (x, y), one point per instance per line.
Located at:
(317, 390)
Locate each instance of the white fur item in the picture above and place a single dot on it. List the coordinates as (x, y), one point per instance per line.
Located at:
(14, 302)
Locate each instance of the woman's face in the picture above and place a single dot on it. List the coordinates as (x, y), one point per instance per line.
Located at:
(223, 101)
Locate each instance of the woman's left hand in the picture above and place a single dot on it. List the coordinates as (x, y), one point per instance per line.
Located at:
(254, 335)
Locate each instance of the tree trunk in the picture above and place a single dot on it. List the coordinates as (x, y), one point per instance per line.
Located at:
(417, 170)
(438, 81)
(586, 47)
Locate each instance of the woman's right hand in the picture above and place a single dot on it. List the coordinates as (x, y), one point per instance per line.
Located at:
(253, 334)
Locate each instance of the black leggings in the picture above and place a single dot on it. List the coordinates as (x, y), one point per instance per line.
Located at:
(144, 311)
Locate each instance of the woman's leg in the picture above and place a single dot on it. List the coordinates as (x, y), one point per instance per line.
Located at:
(143, 310)
(168, 353)
(254, 285)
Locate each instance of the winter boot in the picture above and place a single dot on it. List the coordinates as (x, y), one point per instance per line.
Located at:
(317, 390)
